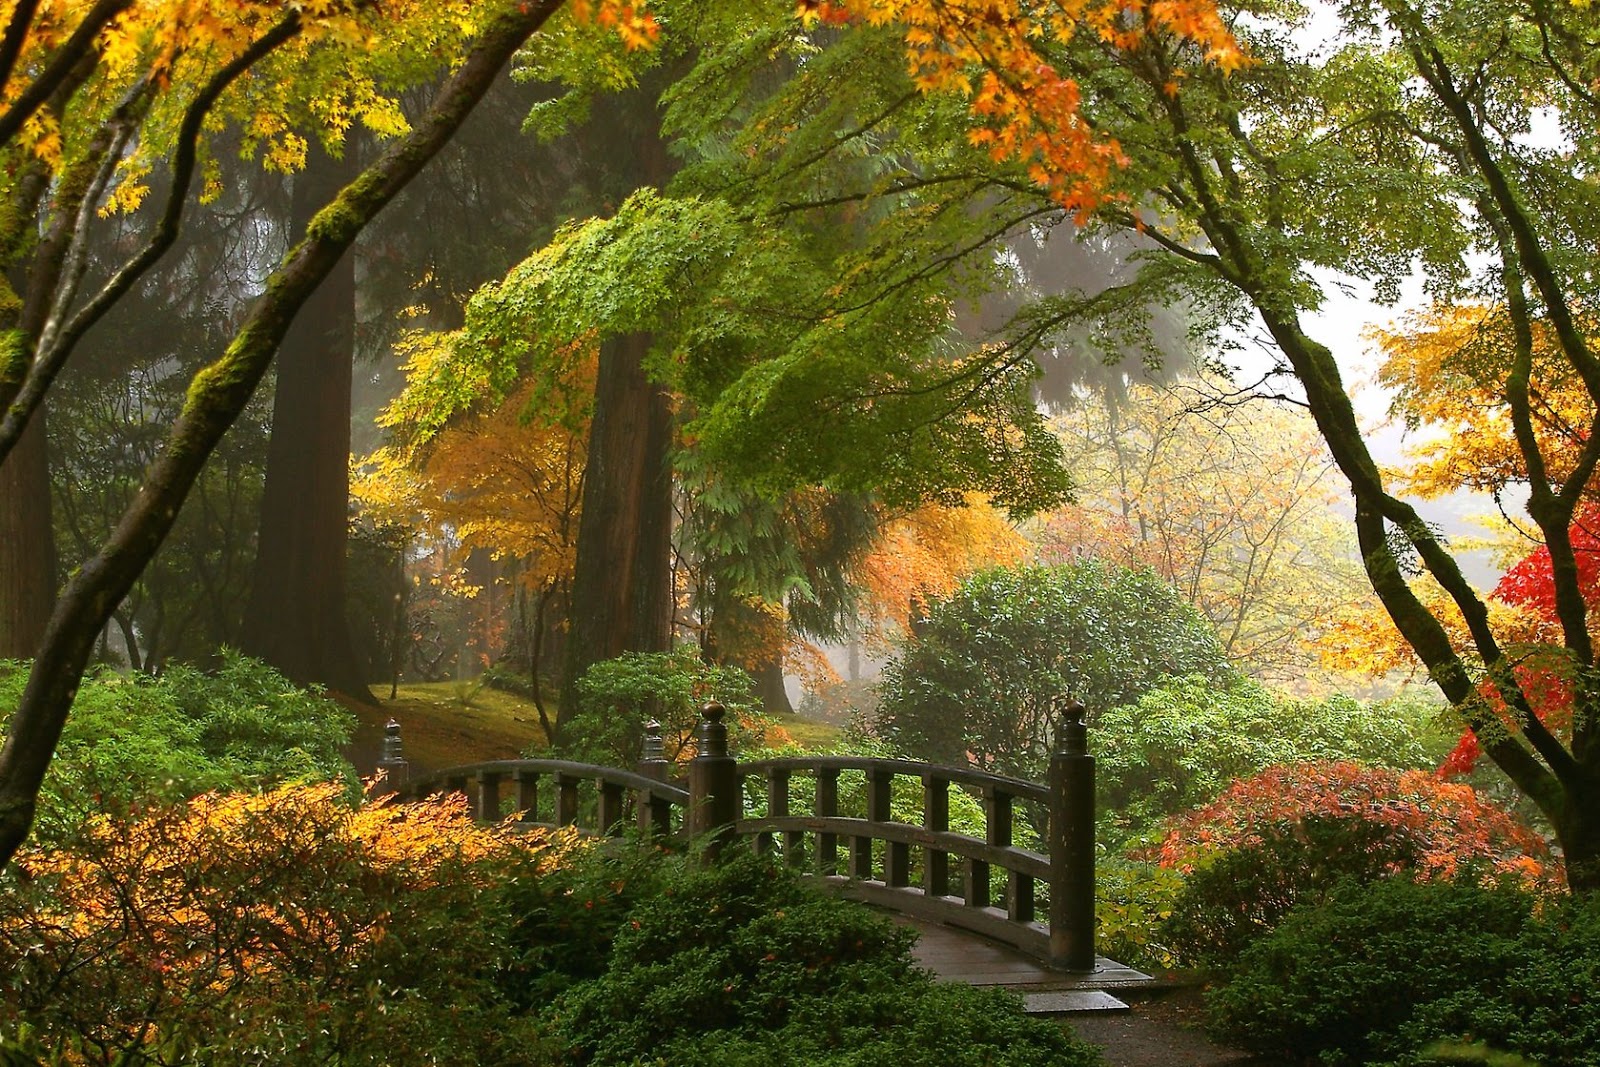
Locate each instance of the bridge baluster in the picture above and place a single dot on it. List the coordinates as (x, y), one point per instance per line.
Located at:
(997, 831)
(611, 804)
(566, 799)
(878, 783)
(655, 814)
(827, 807)
(487, 808)
(778, 808)
(935, 816)
(897, 854)
(527, 793)
(1020, 899)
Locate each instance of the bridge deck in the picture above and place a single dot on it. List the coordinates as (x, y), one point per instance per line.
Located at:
(959, 956)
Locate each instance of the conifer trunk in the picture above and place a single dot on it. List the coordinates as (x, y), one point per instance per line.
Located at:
(622, 576)
(621, 590)
(27, 544)
(296, 615)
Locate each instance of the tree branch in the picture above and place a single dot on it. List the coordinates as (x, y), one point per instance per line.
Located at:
(59, 69)
(56, 343)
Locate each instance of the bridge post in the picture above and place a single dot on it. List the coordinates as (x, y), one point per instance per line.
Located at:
(396, 769)
(1072, 844)
(654, 817)
(714, 798)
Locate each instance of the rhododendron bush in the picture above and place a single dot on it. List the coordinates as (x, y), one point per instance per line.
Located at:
(1448, 824)
(289, 925)
(1279, 842)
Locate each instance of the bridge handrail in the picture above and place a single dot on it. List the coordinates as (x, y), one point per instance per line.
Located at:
(587, 771)
(968, 776)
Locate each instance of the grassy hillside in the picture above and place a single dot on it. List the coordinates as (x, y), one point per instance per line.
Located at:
(445, 724)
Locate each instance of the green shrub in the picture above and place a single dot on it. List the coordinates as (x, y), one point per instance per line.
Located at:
(1290, 833)
(1364, 976)
(1187, 739)
(133, 738)
(281, 927)
(1239, 895)
(982, 675)
(616, 697)
(1545, 1007)
(1132, 902)
(743, 964)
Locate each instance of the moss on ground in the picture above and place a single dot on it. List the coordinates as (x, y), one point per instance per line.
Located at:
(445, 724)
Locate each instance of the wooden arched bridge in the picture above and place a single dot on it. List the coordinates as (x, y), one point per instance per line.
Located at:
(1038, 901)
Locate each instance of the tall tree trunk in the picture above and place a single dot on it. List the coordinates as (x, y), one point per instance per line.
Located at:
(770, 687)
(296, 615)
(622, 576)
(27, 544)
(621, 590)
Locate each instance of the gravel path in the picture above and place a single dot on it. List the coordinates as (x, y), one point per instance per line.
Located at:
(1161, 1031)
(1162, 1027)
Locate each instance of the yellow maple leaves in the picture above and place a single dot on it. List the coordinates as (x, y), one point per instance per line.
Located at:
(925, 553)
(229, 887)
(1449, 366)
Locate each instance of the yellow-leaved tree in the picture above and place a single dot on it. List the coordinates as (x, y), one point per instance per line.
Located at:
(504, 478)
(1232, 502)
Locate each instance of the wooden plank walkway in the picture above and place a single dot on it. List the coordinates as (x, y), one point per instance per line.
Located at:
(956, 955)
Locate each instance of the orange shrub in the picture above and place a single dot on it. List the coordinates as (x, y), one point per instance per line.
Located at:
(287, 926)
(1449, 824)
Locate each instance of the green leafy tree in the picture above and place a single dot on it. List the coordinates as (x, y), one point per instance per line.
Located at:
(1403, 144)
(618, 696)
(218, 393)
(983, 672)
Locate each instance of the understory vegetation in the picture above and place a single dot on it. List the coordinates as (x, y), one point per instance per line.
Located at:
(293, 926)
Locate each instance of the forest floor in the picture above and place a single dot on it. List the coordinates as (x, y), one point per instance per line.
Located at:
(445, 724)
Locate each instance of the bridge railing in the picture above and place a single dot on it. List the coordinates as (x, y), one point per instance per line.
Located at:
(954, 880)
(878, 849)
(547, 792)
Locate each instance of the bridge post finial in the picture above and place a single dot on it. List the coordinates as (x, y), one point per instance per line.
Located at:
(714, 797)
(652, 755)
(1072, 842)
(1072, 731)
(391, 760)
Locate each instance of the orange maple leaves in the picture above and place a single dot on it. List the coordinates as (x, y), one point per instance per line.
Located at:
(994, 53)
(1450, 823)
